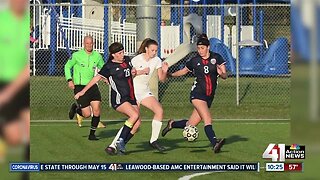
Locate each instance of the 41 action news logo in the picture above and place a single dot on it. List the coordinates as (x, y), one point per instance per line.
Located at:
(281, 152)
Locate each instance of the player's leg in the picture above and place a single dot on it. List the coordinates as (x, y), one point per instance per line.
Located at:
(111, 148)
(135, 127)
(202, 107)
(83, 110)
(95, 105)
(131, 111)
(153, 104)
(12, 132)
(193, 120)
(81, 107)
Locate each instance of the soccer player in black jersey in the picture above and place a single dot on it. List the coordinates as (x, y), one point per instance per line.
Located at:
(118, 71)
(207, 66)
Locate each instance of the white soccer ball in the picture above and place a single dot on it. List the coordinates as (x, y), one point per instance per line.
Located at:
(190, 133)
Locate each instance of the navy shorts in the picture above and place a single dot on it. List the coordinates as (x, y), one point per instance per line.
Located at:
(207, 99)
(123, 100)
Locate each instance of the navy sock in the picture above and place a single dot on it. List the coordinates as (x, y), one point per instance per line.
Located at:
(94, 124)
(125, 131)
(128, 138)
(179, 124)
(210, 134)
(79, 111)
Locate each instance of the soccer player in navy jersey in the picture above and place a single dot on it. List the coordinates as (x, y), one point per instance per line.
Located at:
(118, 71)
(207, 66)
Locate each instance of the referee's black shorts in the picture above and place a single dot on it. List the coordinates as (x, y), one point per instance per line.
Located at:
(11, 110)
(93, 94)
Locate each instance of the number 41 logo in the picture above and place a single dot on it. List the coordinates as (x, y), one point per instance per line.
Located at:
(275, 152)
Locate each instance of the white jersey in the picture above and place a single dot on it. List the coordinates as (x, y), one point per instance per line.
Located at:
(141, 82)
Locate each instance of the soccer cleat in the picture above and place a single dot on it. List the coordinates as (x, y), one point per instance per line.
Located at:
(111, 151)
(101, 125)
(167, 128)
(92, 138)
(219, 139)
(79, 120)
(121, 146)
(217, 147)
(72, 110)
(157, 146)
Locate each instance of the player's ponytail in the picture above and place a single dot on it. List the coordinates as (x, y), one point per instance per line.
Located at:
(142, 48)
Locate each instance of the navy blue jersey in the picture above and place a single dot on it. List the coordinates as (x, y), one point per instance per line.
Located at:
(205, 71)
(120, 79)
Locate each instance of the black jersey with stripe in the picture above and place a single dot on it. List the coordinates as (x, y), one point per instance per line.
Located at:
(205, 71)
(120, 79)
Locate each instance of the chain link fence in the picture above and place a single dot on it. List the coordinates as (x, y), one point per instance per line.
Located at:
(254, 41)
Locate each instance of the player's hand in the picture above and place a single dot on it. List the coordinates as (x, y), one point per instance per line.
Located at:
(165, 66)
(146, 70)
(4, 98)
(106, 81)
(133, 72)
(222, 71)
(78, 95)
(71, 85)
(219, 70)
(169, 75)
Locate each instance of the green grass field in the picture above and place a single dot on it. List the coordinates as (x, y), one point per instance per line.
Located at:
(260, 98)
(245, 142)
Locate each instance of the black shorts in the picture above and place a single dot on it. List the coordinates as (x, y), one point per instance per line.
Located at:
(93, 94)
(122, 100)
(11, 110)
(207, 99)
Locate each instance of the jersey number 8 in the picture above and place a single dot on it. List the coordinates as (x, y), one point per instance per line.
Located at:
(206, 69)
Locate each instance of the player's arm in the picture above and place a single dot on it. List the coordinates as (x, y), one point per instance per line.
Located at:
(15, 86)
(222, 71)
(144, 71)
(181, 72)
(100, 65)
(100, 62)
(67, 71)
(162, 71)
(221, 67)
(67, 68)
(93, 81)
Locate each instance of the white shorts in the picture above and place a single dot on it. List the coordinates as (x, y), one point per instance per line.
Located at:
(140, 95)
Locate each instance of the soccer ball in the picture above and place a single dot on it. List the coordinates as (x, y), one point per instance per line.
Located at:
(190, 133)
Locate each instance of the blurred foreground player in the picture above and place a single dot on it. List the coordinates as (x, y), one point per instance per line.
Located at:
(14, 75)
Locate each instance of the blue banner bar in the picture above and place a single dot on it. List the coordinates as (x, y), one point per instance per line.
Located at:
(203, 167)
(24, 167)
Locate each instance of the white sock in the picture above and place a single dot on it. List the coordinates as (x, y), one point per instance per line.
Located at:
(156, 128)
(113, 144)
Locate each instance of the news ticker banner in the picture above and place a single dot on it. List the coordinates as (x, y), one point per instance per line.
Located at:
(203, 167)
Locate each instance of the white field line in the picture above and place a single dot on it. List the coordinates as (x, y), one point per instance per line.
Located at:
(219, 120)
(188, 177)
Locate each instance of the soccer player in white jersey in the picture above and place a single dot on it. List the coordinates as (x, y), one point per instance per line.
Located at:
(146, 62)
